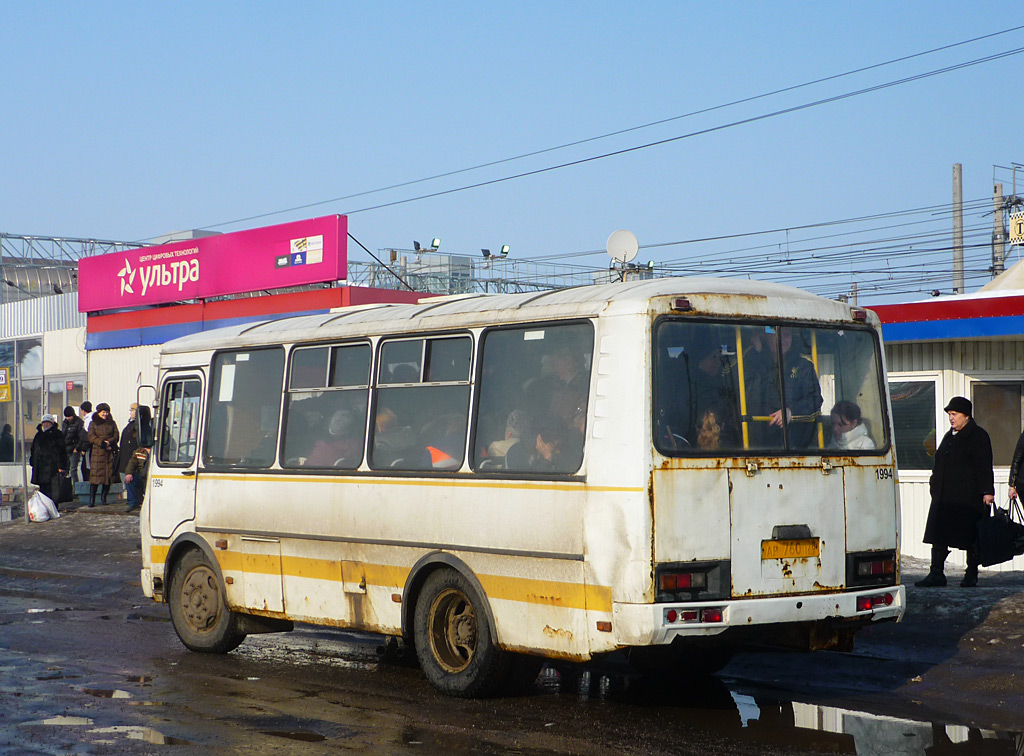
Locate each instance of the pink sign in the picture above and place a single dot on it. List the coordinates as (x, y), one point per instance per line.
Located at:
(289, 254)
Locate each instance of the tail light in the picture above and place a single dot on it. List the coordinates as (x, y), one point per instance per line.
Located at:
(707, 614)
(867, 568)
(715, 614)
(876, 567)
(682, 581)
(868, 603)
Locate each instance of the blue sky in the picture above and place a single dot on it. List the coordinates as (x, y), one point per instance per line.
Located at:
(129, 120)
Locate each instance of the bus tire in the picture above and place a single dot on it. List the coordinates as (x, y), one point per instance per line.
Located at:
(200, 616)
(453, 638)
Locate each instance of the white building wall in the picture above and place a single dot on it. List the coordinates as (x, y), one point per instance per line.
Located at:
(954, 365)
(64, 352)
(116, 374)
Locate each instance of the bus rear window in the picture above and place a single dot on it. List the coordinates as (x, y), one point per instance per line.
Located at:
(733, 389)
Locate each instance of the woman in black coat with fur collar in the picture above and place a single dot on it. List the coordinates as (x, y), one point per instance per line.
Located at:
(962, 486)
(49, 457)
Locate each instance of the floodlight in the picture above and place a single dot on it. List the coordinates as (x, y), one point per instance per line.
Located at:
(436, 243)
(650, 265)
(416, 246)
(486, 252)
(504, 250)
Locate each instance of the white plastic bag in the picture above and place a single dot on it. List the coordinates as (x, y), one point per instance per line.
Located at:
(41, 508)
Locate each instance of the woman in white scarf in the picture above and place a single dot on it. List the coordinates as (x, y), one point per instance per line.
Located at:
(848, 429)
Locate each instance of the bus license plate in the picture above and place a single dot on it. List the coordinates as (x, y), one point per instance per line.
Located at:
(792, 549)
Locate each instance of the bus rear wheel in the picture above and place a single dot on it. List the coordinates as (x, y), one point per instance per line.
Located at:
(199, 613)
(453, 638)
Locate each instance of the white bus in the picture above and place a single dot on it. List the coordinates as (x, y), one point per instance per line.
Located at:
(652, 467)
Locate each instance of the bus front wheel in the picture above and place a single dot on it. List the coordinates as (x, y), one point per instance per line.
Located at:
(453, 638)
(199, 613)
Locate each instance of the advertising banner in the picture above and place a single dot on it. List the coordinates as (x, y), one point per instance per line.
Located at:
(289, 254)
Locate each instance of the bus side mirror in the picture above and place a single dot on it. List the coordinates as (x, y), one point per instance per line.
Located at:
(144, 425)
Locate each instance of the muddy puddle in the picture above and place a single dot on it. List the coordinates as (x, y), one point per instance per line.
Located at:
(735, 713)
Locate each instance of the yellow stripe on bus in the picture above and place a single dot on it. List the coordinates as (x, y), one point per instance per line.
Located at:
(446, 482)
(548, 592)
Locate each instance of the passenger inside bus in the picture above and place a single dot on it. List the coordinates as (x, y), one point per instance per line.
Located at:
(716, 419)
(849, 431)
(803, 392)
(343, 445)
(545, 453)
(392, 441)
(515, 428)
(761, 383)
(444, 438)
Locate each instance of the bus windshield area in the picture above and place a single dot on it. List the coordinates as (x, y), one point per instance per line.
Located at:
(726, 388)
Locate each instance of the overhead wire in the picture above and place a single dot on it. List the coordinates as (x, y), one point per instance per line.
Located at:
(816, 103)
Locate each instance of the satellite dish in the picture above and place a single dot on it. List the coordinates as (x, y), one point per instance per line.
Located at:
(622, 246)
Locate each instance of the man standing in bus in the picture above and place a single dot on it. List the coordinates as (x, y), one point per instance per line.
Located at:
(962, 486)
(803, 393)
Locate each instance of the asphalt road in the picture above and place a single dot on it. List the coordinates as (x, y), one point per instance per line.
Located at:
(89, 666)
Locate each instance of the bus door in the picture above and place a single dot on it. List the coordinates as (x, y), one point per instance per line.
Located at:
(173, 475)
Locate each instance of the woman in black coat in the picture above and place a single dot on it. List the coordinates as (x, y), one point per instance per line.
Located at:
(49, 457)
(962, 486)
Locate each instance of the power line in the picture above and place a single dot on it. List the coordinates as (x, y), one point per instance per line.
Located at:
(700, 132)
(651, 124)
(985, 203)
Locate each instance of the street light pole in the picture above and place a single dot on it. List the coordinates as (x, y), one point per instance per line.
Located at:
(19, 439)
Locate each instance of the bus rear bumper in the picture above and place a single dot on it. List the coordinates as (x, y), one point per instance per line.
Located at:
(656, 624)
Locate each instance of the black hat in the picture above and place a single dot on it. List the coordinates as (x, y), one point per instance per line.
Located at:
(960, 404)
(69, 412)
(103, 407)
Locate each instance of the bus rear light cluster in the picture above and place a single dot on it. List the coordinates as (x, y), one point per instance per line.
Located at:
(682, 581)
(874, 567)
(709, 614)
(868, 603)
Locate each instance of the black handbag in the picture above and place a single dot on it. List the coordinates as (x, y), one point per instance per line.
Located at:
(65, 490)
(1001, 535)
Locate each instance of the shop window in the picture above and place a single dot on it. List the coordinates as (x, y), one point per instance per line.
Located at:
(997, 409)
(25, 355)
(913, 416)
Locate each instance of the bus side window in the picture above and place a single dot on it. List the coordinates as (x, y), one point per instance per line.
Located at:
(325, 407)
(534, 390)
(179, 422)
(244, 412)
(422, 404)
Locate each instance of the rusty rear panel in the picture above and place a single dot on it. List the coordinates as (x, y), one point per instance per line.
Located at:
(769, 501)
